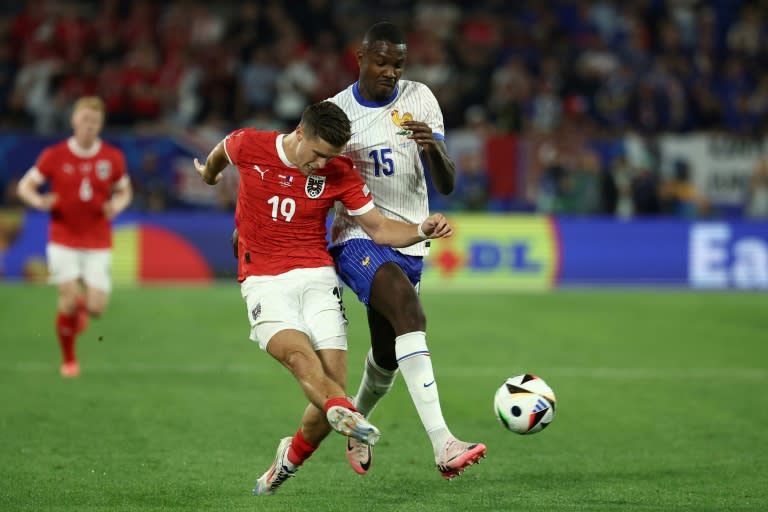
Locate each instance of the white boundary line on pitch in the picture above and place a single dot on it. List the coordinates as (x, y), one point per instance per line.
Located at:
(443, 372)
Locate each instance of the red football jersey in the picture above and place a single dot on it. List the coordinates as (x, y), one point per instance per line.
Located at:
(281, 214)
(82, 181)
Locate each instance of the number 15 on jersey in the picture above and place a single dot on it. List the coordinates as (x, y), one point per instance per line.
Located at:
(382, 162)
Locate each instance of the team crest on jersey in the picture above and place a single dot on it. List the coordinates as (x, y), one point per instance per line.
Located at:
(315, 186)
(398, 120)
(103, 169)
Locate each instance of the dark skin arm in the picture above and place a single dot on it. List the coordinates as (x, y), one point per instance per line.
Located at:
(441, 168)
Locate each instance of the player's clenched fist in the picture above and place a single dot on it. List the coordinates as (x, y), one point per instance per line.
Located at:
(436, 226)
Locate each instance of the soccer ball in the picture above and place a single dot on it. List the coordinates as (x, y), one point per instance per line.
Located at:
(524, 404)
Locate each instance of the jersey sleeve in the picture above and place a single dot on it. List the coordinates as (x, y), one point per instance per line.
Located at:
(433, 115)
(355, 195)
(121, 169)
(45, 163)
(233, 144)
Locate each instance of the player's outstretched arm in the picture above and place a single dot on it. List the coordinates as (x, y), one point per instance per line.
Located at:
(28, 191)
(216, 162)
(386, 231)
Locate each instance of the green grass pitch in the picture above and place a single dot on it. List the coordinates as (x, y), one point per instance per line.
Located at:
(662, 405)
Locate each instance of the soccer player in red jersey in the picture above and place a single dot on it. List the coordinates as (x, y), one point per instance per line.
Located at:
(88, 187)
(288, 184)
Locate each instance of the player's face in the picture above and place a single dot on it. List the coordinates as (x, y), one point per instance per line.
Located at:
(313, 153)
(381, 65)
(87, 123)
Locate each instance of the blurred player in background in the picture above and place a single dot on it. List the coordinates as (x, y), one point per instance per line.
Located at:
(288, 183)
(88, 187)
(398, 133)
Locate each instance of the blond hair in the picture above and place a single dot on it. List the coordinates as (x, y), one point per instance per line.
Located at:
(92, 102)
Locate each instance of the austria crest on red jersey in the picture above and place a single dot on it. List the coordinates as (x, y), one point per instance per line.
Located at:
(315, 186)
(103, 169)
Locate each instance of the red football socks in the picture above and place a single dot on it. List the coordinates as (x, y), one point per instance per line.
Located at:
(65, 329)
(341, 400)
(300, 450)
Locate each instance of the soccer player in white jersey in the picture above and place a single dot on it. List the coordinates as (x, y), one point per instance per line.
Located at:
(288, 183)
(397, 136)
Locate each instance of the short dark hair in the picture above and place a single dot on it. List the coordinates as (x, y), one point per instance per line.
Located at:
(327, 121)
(384, 31)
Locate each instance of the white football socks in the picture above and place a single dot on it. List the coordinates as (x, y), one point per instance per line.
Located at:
(416, 366)
(376, 383)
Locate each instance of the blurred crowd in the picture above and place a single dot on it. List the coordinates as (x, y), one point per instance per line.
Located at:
(585, 69)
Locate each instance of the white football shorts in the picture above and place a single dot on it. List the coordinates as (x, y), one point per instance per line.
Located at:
(93, 266)
(305, 299)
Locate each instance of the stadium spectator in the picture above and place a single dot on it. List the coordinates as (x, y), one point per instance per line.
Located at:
(645, 191)
(88, 187)
(398, 136)
(288, 183)
(757, 200)
(257, 81)
(152, 188)
(616, 189)
(471, 192)
(680, 197)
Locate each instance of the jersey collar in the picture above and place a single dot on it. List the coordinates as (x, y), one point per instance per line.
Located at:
(281, 151)
(81, 152)
(373, 104)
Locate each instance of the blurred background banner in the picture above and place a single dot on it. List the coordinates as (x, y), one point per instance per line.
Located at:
(723, 164)
(163, 248)
(491, 252)
(510, 252)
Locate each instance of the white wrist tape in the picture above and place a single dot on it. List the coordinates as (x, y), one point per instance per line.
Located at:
(420, 232)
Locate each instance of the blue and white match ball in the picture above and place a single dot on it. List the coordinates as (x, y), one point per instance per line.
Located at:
(524, 404)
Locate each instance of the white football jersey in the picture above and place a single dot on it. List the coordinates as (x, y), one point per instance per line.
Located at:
(387, 159)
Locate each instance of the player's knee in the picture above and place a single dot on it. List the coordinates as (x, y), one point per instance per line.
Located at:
(384, 356)
(408, 317)
(68, 303)
(401, 307)
(96, 308)
(298, 362)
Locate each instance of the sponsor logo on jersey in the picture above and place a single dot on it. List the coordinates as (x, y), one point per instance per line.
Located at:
(315, 186)
(366, 261)
(262, 173)
(68, 168)
(256, 312)
(103, 169)
(366, 190)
